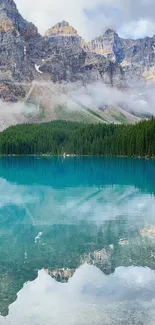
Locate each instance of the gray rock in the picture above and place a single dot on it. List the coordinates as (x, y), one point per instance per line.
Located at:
(26, 55)
(137, 57)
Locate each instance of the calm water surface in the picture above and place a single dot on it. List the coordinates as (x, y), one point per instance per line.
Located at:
(77, 241)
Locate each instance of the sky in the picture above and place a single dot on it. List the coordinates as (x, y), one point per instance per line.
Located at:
(130, 18)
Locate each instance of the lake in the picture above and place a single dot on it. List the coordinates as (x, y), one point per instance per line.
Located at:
(77, 241)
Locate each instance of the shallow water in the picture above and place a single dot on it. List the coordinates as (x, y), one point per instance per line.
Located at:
(77, 241)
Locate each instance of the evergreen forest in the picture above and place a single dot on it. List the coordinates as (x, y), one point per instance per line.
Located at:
(59, 137)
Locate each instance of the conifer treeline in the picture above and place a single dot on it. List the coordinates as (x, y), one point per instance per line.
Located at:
(60, 137)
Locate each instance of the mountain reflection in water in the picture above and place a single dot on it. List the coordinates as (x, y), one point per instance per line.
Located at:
(90, 297)
(88, 221)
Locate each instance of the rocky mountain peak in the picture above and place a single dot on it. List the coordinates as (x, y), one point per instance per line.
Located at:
(110, 32)
(62, 55)
(63, 23)
(7, 4)
(63, 29)
(8, 8)
(10, 18)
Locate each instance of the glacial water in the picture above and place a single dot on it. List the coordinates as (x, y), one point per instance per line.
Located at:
(77, 241)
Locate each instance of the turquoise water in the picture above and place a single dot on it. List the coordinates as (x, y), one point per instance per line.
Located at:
(77, 236)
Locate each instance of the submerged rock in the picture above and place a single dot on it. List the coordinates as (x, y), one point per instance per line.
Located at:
(149, 232)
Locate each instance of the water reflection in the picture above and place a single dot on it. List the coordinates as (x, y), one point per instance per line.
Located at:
(57, 214)
(126, 297)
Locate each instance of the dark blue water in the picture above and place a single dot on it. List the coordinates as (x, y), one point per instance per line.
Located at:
(87, 225)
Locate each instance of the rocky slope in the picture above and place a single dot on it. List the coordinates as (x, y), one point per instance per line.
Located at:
(137, 57)
(62, 32)
(26, 55)
(15, 65)
(62, 56)
(69, 59)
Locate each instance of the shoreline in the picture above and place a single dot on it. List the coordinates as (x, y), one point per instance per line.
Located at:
(76, 155)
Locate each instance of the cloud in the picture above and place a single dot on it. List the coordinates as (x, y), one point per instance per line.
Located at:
(139, 99)
(15, 113)
(90, 297)
(137, 29)
(91, 18)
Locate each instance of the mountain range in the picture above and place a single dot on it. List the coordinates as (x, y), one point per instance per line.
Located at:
(32, 65)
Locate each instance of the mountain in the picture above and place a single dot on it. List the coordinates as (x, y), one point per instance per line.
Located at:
(32, 64)
(65, 32)
(68, 60)
(136, 57)
(26, 55)
(15, 65)
(62, 28)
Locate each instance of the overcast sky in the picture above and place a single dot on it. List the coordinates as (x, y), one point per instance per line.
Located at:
(130, 18)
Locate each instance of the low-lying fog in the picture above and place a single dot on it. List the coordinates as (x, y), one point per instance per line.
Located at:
(138, 100)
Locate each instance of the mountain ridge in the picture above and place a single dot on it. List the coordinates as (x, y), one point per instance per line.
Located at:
(22, 48)
(61, 56)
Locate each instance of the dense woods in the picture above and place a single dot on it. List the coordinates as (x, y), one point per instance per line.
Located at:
(59, 137)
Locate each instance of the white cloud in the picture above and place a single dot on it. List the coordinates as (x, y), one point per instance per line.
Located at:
(92, 17)
(15, 113)
(137, 29)
(139, 99)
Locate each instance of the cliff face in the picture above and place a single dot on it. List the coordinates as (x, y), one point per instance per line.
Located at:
(71, 60)
(61, 55)
(62, 32)
(15, 66)
(137, 57)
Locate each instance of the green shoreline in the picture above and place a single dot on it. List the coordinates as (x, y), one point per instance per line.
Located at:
(70, 139)
(78, 156)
